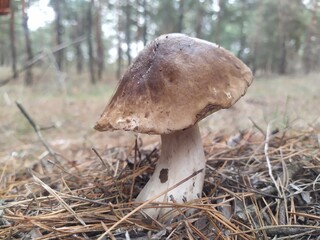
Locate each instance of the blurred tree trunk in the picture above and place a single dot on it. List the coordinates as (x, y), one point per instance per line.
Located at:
(1, 52)
(128, 30)
(181, 16)
(77, 33)
(254, 56)
(29, 75)
(241, 32)
(199, 21)
(282, 37)
(119, 61)
(217, 30)
(79, 56)
(99, 40)
(145, 20)
(119, 46)
(307, 55)
(141, 33)
(59, 32)
(13, 41)
(89, 41)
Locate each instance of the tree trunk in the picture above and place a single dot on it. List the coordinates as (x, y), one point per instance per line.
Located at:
(99, 41)
(79, 57)
(119, 61)
(242, 35)
(59, 32)
(119, 43)
(282, 39)
(254, 56)
(79, 54)
(29, 75)
(89, 41)
(181, 16)
(1, 52)
(145, 20)
(199, 21)
(217, 30)
(13, 41)
(76, 32)
(307, 55)
(128, 30)
(283, 56)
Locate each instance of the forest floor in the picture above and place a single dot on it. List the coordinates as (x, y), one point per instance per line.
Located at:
(76, 194)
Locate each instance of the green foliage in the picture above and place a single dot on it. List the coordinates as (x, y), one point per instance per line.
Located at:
(270, 36)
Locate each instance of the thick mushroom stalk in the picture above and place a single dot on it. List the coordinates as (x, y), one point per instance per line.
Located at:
(181, 155)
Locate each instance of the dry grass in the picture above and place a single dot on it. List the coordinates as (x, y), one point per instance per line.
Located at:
(262, 181)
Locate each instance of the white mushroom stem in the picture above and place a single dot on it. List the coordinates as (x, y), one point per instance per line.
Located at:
(181, 155)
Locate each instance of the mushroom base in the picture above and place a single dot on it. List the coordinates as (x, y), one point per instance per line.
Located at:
(181, 155)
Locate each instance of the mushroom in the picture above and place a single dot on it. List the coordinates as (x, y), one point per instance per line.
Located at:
(174, 82)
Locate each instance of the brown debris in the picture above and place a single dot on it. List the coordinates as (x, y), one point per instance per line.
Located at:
(91, 198)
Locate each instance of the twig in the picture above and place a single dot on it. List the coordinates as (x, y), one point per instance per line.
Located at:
(106, 229)
(147, 202)
(107, 166)
(37, 130)
(266, 148)
(257, 126)
(289, 229)
(63, 203)
(134, 167)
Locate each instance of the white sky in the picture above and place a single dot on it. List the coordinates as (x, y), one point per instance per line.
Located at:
(40, 14)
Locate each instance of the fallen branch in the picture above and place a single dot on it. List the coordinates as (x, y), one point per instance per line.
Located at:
(37, 130)
(266, 148)
(40, 56)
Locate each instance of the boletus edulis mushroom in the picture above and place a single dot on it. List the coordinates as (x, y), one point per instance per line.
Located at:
(174, 82)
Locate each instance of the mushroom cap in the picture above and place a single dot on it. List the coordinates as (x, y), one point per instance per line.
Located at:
(174, 82)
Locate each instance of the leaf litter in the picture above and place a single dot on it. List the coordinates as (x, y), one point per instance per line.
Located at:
(258, 186)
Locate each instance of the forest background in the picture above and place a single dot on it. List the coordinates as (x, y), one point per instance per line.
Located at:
(101, 37)
(60, 61)
(63, 59)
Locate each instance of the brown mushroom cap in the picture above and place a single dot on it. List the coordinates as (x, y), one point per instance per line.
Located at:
(175, 82)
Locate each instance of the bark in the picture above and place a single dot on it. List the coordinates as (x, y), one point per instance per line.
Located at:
(308, 46)
(119, 43)
(242, 35)
(145, 20)
(29, 75)
(76, 32)
(79, 55)
(199, 21)
(222, 5)
(255, 46)
(1, 52)
(59, 32)
(89, 42)
(128, 30)
(282, 40)
(181, 16)
(99, 41)
(254, 57)
(13, 41)
(119, 61)
(283, 56)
